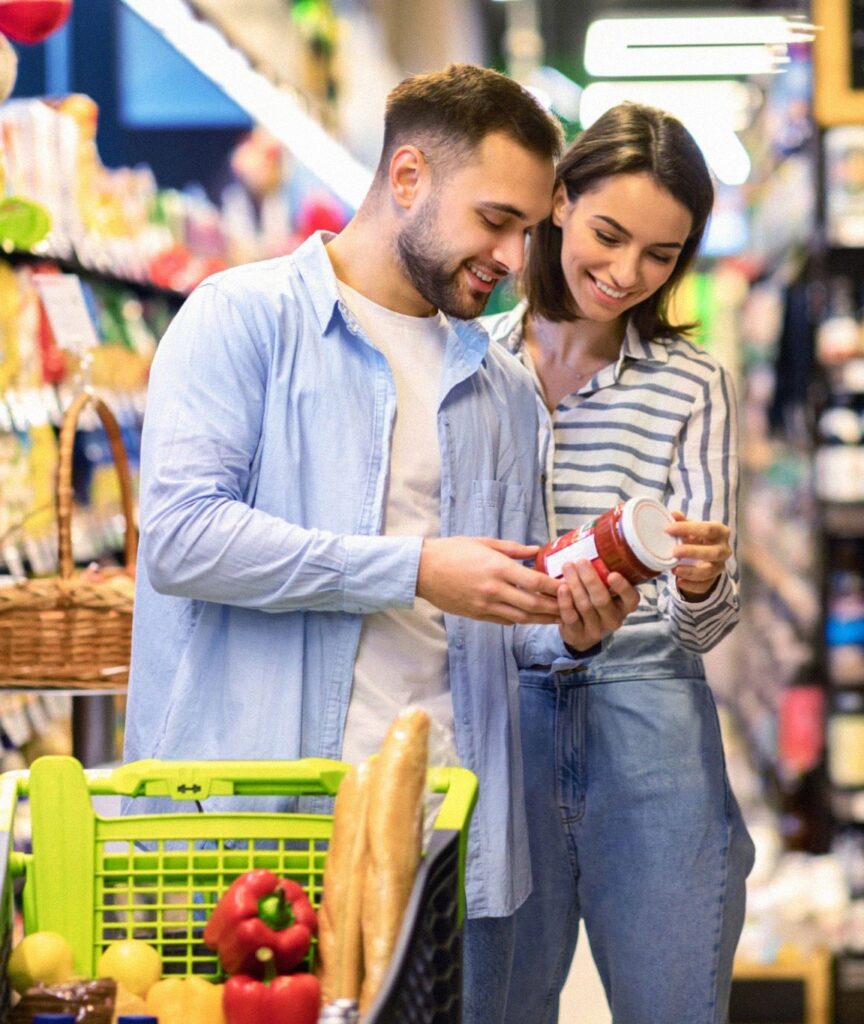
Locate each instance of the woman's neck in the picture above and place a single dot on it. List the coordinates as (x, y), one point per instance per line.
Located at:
(576, 341)
(566, 354)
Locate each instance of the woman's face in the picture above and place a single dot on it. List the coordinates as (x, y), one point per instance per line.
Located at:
(620, 243)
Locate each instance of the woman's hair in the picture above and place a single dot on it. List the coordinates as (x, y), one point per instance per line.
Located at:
(628, 139)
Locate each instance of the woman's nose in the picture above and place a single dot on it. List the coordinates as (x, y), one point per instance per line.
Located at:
(625, 270)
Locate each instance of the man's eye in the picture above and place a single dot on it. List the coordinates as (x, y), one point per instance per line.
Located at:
(494, 224)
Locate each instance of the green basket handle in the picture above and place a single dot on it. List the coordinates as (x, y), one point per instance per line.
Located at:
(198, 780)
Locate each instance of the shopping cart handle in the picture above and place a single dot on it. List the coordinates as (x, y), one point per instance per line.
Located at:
(198, 780)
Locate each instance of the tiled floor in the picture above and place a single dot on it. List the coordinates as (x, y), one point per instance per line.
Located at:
(583, 1000)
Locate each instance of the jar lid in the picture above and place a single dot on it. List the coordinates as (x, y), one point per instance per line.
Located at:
(644, 521)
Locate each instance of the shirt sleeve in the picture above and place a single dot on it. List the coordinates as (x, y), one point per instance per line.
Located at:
(704, 485)
(200, 536)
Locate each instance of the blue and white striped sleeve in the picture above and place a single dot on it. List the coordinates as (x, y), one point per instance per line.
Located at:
(703, 482)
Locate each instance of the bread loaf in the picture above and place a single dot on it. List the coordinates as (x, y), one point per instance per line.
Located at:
(394, 838)
(340, 961)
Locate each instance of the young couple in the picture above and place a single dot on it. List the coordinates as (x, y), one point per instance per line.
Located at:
(341, 483)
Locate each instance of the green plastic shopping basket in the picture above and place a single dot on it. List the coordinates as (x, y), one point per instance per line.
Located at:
(156, 877)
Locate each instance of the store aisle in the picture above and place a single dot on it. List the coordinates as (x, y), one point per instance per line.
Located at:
(583, 1000)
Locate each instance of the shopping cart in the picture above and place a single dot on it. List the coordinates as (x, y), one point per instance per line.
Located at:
(156, 877)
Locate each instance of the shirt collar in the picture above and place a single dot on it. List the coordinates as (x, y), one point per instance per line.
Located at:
(512, 332)
(635, 347)
(315, 268)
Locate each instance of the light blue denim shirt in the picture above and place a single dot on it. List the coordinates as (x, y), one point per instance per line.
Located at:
(264, 466)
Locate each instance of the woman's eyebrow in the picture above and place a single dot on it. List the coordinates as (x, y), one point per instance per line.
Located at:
(620, 227)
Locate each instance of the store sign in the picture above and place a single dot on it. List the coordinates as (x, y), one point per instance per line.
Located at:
(838, 62)
(63, 300)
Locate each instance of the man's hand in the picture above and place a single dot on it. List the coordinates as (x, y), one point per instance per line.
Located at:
(588, 608)
(482, 578)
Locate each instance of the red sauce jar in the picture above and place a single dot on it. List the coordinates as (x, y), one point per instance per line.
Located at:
(630, 539)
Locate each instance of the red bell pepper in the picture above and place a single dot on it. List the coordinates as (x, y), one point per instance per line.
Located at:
(287, 999)
(261, 912)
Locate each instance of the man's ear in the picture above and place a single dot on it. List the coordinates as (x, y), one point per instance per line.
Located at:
(408, 168)
(560, 203)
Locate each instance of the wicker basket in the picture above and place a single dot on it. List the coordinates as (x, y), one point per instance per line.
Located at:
(73, 630)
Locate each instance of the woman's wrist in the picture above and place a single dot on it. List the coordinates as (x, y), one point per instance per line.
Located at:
(695, 596)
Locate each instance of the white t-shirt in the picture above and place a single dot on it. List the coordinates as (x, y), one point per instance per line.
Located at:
(402, 657)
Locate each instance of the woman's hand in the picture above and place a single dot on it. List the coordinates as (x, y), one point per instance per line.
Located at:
(589, 608)
(703, 551)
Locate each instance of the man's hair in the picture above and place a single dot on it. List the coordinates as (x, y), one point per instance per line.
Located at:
(631, 138)
(448, 113)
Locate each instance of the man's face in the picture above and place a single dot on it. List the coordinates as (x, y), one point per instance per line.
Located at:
(468, 229)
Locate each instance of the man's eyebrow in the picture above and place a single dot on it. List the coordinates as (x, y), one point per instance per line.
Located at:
(514, 211)
(626, 233)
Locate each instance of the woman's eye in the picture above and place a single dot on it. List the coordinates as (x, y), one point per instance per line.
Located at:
(606, 239)
(661, 257)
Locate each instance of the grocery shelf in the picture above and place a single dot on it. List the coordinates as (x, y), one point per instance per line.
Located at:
(145, 289)
(843, 519)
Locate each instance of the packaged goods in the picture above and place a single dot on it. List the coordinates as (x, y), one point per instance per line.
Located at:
(630, 539)
(339, 920)
(394, 832)
(91, 1001)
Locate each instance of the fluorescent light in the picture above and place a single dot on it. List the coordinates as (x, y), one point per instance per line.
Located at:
(712, 111)
(277, 109)
(694, 47)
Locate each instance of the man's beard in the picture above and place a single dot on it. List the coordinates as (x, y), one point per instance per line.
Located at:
(419, 249)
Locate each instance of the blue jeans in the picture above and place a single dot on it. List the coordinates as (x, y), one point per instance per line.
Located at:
(633, 829)
(488, 958)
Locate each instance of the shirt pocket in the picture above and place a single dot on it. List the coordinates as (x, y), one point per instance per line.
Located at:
(499, 510)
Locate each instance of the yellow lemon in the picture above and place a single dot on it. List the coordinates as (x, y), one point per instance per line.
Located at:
(134, 964)
(41, 956)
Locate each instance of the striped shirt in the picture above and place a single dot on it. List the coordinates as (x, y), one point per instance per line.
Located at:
(660, 422)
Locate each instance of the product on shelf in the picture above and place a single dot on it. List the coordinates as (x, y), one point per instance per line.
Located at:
(840, 440)
(846, 740)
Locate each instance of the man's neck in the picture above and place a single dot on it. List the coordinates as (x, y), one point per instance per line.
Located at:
(364, 257)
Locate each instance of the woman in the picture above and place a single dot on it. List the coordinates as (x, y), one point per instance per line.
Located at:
(633, 827)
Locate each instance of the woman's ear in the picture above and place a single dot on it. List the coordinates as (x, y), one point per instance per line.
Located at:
(407, 168)
(560, 202)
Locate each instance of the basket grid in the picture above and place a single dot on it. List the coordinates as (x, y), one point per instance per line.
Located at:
(163, 891)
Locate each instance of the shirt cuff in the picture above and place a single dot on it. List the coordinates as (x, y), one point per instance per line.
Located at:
(380, 573)
(537, 646)
(717, 596)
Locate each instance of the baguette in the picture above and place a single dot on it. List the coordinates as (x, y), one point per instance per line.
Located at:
(394, 839)
(340, 963)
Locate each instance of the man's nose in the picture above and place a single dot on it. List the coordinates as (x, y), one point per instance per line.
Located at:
(509, 253)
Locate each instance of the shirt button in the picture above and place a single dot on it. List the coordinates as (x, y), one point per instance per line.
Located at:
(460, 643)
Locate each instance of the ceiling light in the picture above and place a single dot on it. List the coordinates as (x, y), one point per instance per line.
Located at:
(277, 109)
(712, 112)
(693, 47)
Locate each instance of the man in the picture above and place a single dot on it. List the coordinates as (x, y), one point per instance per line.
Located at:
(339, 487)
